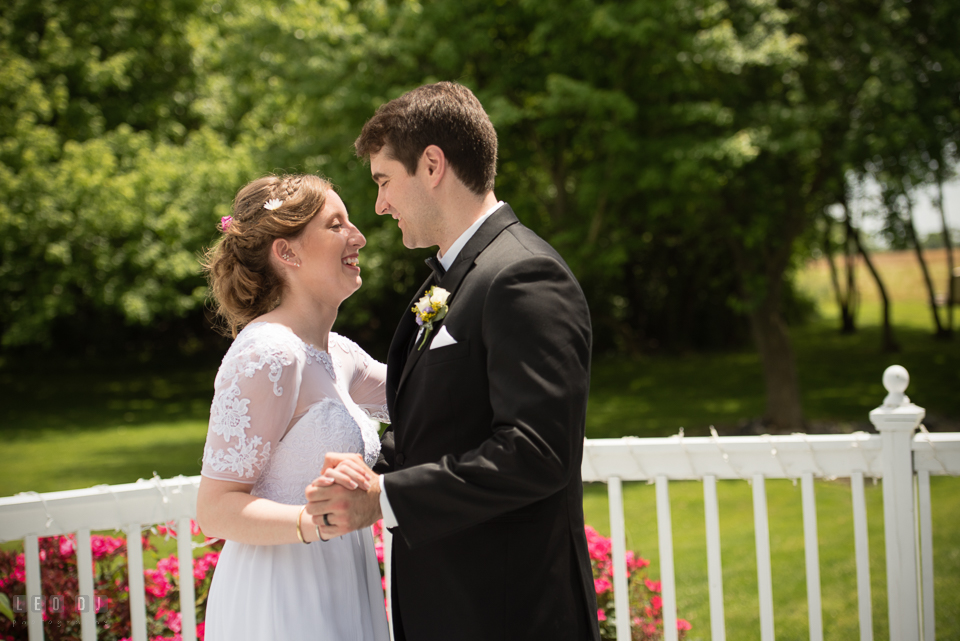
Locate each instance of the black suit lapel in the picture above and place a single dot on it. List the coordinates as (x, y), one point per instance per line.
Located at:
(399, 354)
(490, 229)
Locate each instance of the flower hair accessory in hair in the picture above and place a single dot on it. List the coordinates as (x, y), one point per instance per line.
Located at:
(225, 223)
(273, 203)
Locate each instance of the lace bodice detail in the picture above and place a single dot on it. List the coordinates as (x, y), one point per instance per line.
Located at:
(280, 404)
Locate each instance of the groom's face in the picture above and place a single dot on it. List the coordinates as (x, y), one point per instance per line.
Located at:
(405, 198)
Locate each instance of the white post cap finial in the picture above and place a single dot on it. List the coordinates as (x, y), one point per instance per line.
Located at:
(895, 380)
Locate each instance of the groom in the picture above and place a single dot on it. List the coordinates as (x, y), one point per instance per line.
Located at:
(480, 468)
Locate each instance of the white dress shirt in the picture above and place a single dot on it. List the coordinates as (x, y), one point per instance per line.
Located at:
(389, 519)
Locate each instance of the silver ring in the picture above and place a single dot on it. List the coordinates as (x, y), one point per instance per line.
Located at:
(326, 521)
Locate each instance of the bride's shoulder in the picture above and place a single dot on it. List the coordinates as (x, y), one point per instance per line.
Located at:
(346, 346)
(261, 343)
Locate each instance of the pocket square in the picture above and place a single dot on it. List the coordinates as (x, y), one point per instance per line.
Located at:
(443, 338)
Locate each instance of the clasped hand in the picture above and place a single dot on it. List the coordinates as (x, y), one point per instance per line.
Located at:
(345, 497)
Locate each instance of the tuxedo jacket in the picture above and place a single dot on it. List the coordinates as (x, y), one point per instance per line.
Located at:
(482, 457)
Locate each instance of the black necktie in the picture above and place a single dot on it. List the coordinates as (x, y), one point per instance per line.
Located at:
(438, 270)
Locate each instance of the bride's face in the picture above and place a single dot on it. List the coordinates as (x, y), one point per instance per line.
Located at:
(328, 251)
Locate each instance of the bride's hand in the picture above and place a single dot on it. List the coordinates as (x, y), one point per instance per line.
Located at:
(345, 469)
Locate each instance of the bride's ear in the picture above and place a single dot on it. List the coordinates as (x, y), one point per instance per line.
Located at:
(284, 252)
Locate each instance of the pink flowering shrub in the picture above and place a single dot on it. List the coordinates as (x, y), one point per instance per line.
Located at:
(58, 572)
(378, 546)
(646, 605)
(58, 563)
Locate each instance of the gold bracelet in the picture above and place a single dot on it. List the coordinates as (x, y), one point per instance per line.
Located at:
(299, 532)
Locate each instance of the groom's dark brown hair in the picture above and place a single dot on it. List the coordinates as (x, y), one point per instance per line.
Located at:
(445, 114)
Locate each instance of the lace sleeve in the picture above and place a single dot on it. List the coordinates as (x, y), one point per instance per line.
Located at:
(254, 400)
(367, 380)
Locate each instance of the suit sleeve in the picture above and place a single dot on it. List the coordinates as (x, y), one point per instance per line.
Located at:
(537, 338)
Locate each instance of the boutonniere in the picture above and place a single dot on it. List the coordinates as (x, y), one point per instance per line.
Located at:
(431, 307)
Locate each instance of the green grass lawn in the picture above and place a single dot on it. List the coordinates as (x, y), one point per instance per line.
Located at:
(738, 553)
(840, 382)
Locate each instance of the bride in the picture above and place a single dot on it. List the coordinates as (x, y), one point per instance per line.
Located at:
(288, 391)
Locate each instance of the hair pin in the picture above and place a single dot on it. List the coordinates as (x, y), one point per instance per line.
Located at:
(272, 204)
(225, 223)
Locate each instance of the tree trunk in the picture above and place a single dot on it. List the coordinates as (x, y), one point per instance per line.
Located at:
(912, 232)
(887, 342)
(784, 411)
(948, 244)
(849, 255)
(847, 325)
(834, 278)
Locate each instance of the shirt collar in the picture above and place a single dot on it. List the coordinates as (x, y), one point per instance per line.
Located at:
(447, 259)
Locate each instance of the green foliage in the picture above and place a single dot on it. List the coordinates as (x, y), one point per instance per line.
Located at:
(5, 608)
(109, 188)
(676, 153)
(116, 225)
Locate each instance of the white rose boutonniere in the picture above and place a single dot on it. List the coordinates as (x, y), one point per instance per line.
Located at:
(431, 307)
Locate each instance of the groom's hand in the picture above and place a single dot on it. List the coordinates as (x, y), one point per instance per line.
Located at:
(337, 510)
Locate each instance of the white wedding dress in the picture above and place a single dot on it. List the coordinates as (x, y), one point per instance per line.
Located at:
(279, 405)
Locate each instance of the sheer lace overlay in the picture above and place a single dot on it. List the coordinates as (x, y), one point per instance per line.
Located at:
(281, 404)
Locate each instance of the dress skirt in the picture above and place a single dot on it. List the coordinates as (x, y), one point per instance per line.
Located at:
(329, 591)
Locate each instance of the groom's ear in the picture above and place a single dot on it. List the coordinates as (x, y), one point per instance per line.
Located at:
(434, 163)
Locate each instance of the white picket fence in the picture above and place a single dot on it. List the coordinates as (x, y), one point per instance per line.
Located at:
(903, 459)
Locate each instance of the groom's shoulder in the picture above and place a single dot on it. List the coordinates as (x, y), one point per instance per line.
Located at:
(518, 244)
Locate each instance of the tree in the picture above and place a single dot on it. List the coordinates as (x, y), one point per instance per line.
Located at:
(678, 154)
(109, 182)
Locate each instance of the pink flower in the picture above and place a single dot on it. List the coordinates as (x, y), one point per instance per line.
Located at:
(378, 546)
(173, 622)
(156, 584)
(204, 563)
(169, 565)
(104, 545)
(67, 545)
(601, 615)
(201, 630)
(683, 625)
(653, 586)
(19, 571)
(635, 563)
(598, 546)
(656, 602)
(601, 585)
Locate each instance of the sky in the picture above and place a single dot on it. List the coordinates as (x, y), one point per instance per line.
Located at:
(926, 215)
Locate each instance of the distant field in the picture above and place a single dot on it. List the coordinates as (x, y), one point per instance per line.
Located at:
(902, 278)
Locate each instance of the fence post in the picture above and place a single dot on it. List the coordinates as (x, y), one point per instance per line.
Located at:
(896, 421)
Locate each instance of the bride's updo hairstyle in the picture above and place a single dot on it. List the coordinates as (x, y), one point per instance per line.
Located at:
(243, 282)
